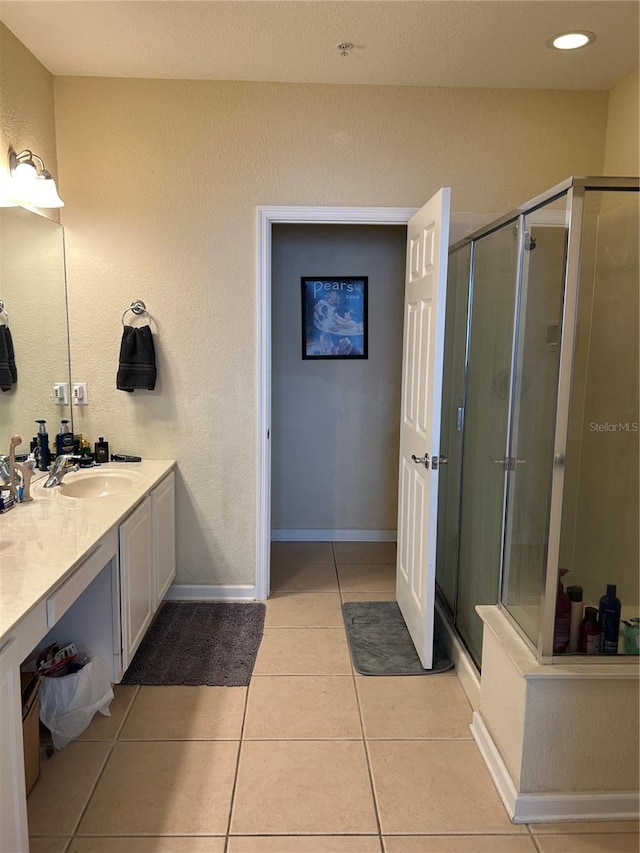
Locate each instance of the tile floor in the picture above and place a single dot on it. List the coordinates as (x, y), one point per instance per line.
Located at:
(310, 758)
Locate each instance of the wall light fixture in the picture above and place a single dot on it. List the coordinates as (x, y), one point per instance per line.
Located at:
(31, 183)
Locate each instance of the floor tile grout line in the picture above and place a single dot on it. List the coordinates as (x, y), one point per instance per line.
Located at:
(83, 811)
(113, 743)
(237, 768)
(534, 840)
(364, 742)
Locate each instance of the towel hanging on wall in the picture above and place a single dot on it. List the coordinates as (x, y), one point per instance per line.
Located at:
(8, 370)
(137, 367)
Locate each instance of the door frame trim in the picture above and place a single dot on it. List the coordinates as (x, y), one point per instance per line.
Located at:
(266, 217)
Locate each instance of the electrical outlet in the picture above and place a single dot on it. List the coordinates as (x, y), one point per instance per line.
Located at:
(80, 394)
(61, 393)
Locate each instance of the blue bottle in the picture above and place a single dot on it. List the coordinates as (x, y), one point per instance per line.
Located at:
(609, 618)
(44, 453)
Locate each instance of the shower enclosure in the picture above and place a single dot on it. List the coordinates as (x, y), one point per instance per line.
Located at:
(540, 422)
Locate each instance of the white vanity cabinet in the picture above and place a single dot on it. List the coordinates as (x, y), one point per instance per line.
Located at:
(163, 514)
(147, 563)
(93, 572)
(136, 579)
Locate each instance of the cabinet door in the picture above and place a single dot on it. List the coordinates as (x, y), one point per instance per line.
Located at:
(164, 536)
(13, 802)
(136, 578)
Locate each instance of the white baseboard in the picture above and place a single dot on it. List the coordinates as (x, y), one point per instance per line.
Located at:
(553, 805)
(213, 592)
(468, 675)
(296, 535)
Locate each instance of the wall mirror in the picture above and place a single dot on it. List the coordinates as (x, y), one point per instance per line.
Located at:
(33, 290)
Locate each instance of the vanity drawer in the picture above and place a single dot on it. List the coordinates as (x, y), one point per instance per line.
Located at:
(62, 599)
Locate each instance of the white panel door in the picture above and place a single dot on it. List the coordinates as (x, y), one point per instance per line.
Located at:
(423, 345)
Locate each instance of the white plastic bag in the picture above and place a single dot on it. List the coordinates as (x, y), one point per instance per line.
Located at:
(68, 703)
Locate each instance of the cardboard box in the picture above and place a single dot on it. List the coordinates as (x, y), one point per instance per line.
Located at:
(30, 727)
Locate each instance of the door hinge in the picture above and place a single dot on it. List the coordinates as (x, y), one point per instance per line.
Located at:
(460, 418)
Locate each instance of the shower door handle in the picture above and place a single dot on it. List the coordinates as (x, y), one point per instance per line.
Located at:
(421, 460)
(508, 462)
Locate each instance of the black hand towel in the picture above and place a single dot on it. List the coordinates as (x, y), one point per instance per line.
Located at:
(8, 371)
(137, 368)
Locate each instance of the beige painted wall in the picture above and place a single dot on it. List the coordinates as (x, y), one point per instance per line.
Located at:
(162, 180)
(27, 116)
(622, 155)
(31, 253)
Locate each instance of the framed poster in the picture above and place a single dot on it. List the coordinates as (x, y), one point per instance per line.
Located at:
(334, 317)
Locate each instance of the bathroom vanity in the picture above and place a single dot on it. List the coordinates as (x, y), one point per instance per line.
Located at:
(87, 562)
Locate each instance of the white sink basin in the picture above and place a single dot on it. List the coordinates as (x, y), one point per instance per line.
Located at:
(97, 484)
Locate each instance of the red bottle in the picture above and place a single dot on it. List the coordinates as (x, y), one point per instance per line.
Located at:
(589, 639)
(562, 625)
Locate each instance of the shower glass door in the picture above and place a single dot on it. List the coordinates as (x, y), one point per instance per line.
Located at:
(486, 421)
(534, 392)
(451, 425)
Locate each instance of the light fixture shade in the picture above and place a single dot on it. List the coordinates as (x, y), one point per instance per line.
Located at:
(30, 184)
(45, 193)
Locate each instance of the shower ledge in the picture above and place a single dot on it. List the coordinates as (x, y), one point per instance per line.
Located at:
(560, 741)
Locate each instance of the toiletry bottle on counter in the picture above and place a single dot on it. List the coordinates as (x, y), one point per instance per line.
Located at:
(101, 448)
(562, 625)
(575, 595)
(44, 454)
(589, 639)
(64, 439)
(609, 616)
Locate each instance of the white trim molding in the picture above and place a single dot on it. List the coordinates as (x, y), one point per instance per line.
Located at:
(552, 805)
(213, 592)
(266, 217)
(296, 535)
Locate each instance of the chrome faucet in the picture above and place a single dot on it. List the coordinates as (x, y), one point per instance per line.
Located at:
(60, 467)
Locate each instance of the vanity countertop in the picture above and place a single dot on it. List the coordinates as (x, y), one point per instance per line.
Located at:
(42, 542)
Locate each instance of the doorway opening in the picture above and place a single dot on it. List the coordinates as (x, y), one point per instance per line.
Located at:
(267, 218)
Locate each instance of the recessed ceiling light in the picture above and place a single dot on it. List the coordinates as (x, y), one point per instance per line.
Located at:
(572, 40)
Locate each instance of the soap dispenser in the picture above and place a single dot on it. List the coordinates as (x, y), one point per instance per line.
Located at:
(44, 454)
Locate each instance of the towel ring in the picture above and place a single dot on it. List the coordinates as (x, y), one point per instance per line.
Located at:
(138, 307)
(3, 314)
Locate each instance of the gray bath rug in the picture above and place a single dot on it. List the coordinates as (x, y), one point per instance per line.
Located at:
(380, 643)
(203, 642)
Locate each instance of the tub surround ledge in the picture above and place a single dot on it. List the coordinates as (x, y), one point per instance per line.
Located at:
(560, 741)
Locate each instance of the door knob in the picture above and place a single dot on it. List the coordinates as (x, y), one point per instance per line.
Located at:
(421, 460)
(438, 460)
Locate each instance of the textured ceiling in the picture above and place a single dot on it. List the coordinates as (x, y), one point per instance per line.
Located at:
(415, 42)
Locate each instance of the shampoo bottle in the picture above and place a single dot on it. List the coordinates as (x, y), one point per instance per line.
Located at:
(44, 454)
(575, 596)
(562, 625)
(609, 616)
(64, 439)
(589, 639)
